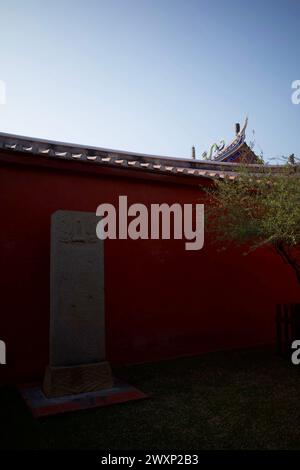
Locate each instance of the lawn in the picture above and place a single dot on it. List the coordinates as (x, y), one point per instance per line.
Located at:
(233, 400)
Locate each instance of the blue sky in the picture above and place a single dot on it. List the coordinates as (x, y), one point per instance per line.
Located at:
(153, 76)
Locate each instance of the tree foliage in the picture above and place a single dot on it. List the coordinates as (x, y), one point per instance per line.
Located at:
(259, 209)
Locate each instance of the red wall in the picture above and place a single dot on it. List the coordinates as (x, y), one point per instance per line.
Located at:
(161, 301)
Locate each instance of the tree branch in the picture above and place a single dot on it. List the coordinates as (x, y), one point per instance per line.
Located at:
(290, 260)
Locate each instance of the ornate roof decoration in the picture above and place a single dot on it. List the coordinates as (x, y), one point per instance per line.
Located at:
(237, 151)
(228, 154)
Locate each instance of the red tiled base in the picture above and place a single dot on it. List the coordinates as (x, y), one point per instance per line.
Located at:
(40, 405)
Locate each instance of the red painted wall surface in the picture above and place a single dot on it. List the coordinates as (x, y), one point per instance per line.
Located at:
(161, 301)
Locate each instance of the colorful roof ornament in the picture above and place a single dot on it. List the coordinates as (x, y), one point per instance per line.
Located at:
(237, 151)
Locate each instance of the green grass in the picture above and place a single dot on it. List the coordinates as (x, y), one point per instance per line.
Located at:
(233, 400)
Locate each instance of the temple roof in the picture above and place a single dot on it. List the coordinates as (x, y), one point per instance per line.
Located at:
(11, 144)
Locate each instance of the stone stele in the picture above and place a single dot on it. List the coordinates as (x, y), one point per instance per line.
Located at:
(77, 320)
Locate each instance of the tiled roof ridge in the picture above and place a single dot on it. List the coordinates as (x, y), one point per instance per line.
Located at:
(124, 159)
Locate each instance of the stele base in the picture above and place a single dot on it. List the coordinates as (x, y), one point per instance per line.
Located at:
(72, 380)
